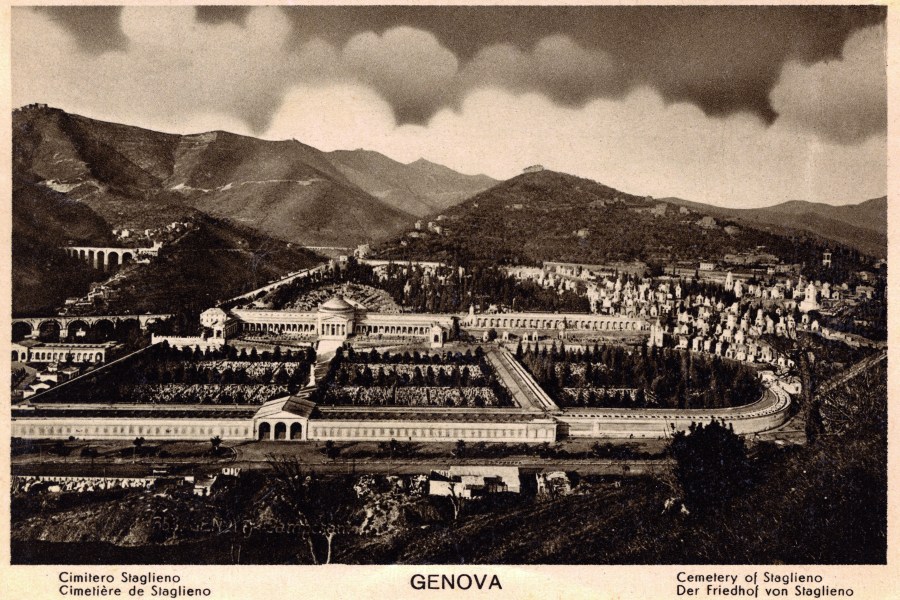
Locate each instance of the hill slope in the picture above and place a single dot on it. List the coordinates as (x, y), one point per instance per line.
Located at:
(137, 178)
(862, 226)
(43, 275)
(421, 188)
(215, 260)
(554, 216)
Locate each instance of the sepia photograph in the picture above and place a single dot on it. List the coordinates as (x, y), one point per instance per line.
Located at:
(449, 285)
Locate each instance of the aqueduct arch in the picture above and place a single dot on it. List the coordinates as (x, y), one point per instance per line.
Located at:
(78, 329)
(104, 330)
(20, 330)
(49, 330)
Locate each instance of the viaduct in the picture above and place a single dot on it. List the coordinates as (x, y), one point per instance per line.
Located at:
(106, 258)
(32, 326)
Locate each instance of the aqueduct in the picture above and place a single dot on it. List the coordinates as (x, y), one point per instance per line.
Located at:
(106, 258)
(31, 327)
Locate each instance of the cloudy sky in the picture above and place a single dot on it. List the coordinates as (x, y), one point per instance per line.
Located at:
(737, 106)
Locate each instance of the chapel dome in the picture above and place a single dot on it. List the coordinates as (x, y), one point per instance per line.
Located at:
(336, 305)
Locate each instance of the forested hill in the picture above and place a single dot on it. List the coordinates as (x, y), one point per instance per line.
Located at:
(862, 226)
(548, 215)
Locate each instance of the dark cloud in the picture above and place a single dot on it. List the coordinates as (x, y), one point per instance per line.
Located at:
(722, 59)
(223, 14)
(96, 29)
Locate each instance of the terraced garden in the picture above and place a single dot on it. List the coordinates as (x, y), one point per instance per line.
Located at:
(162, 375)
(448, 380)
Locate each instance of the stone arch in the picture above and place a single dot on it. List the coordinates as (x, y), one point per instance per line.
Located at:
(76, 326)
(104, 330)
(296, 431)
(127, 327)
(127, 257)
(100, 260)
(112, 260)
(280, 430)
(15, 356)
(265, 431)
(21, 329)
(49, 330)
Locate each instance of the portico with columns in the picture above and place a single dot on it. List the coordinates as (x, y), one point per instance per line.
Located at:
(283, 419)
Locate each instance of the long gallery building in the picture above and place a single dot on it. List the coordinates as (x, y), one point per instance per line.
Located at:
(535, 418)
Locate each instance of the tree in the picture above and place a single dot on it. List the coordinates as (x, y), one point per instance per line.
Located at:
(710, 465)
(456, 500)
(322, 509)
(460, 449)
(216, 442)
(137, 442)
(89, 453)
(393, 446)
(331, 450)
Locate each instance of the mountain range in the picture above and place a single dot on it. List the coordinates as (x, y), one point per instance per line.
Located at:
(420, 188)
(546, 215)
(137, 178)
(255, 203)
(862, 226)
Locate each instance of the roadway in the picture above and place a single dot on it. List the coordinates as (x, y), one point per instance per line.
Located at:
(525, 391)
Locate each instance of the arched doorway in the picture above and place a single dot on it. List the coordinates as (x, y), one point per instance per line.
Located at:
(15, 356)
(49, 331)
(280, 431)
(296, 431)
(20, 330)
(265, 431)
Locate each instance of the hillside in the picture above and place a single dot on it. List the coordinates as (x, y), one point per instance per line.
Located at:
(862, 226)
(554, 216)
(777, 514)
(136, 178)
(214, 260)
(421, 188)
(43, 275)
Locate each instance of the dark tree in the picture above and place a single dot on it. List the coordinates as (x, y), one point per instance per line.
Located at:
(711, 465)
